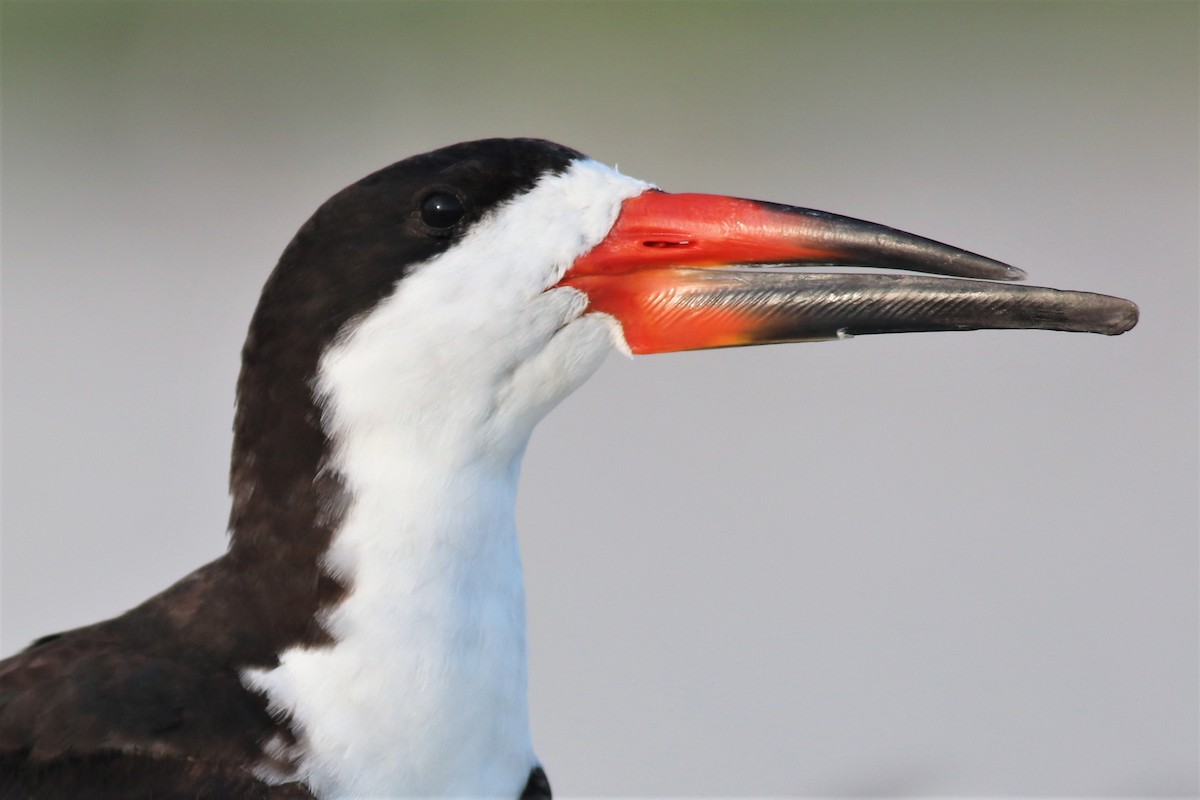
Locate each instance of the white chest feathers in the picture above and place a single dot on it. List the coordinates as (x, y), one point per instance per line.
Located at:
(424, 691)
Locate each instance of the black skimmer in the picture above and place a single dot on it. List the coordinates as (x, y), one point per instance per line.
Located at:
(364, 635)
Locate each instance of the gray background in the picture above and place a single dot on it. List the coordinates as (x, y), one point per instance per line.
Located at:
(928, 564)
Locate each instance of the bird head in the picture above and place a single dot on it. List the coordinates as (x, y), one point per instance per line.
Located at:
(467, 290)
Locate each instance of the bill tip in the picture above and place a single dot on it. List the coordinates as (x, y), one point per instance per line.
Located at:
(1012, 273)
(1125, 318)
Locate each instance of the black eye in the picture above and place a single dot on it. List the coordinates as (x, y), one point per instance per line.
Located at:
(442, 210)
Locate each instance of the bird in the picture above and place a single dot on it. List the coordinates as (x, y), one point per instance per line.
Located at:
(364, 634)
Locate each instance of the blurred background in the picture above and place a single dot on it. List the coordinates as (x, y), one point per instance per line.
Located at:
(937, 564)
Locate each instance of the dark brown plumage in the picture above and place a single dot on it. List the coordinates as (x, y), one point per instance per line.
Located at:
(150, 704)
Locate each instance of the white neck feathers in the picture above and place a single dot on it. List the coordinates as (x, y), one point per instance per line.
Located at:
(429, 401)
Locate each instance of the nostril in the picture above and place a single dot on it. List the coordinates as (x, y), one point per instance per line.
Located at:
(672, 243)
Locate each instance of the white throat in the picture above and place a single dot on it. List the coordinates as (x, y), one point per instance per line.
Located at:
(430, 400)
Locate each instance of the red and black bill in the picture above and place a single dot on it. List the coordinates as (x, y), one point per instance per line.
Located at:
(686, 272)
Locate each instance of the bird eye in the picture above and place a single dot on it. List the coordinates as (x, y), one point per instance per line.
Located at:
(442, 210)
